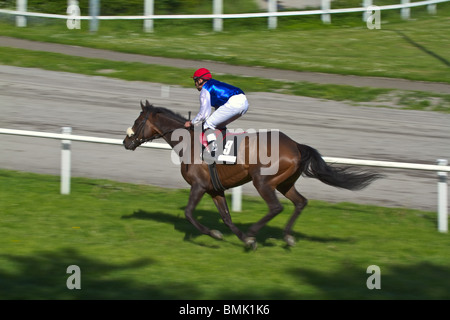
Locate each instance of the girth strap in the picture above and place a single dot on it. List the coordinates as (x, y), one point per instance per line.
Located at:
(215, 177)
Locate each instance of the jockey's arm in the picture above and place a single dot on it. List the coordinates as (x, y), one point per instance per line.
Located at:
(205, 107)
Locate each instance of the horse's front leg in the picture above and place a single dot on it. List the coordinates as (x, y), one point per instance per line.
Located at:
(195, 196)
(221, 203)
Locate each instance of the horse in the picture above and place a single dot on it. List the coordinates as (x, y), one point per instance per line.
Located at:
(293, 160)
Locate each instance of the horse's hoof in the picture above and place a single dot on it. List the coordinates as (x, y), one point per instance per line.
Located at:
(250, 242)
(216, 234)
(290, 240)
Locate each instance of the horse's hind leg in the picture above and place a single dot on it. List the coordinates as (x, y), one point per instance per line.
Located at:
(221, 204)
(299, 202)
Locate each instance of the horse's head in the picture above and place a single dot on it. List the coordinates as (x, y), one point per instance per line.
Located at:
(142, 130)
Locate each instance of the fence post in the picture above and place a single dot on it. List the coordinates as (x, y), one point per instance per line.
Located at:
(442, 198)
(165, 91)
(431, 8)
(325, 5)
(236, 199)
(94, 10)
(366, 4)
(272, 8)
(65, 162)
(217, 9)
(148, 11)
(405, 12)
(21, 21)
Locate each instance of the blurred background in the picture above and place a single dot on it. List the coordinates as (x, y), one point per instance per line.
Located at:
(326, 81)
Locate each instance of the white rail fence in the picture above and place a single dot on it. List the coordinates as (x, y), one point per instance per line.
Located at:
(442, 167)
(73, 16)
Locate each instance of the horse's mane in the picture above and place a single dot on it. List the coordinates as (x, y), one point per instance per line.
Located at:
(173, 115)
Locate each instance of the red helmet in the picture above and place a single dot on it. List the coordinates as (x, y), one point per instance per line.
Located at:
(202, 73)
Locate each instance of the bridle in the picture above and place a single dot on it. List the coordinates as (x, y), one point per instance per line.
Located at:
(140, 131)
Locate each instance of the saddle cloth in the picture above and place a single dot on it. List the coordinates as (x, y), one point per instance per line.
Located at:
(227, 145)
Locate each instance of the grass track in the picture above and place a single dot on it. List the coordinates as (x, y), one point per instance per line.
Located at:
(132, 242)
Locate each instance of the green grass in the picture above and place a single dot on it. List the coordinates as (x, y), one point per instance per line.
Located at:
(417, 49)
(133, 242)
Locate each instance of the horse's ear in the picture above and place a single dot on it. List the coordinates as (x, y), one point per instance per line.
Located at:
(142, 106)
(147, 104)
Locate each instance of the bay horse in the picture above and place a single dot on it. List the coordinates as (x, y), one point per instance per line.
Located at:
(293, 160)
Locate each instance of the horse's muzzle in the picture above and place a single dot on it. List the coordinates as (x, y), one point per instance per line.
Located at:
(130, 144)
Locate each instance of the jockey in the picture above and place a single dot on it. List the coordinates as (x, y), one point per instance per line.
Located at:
(230, 103)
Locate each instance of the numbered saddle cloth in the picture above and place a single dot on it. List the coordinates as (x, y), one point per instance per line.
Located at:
(227, 145)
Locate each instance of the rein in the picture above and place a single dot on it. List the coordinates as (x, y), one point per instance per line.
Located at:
(160, 135)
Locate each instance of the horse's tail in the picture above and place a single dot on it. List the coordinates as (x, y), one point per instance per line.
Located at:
(342, 177)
